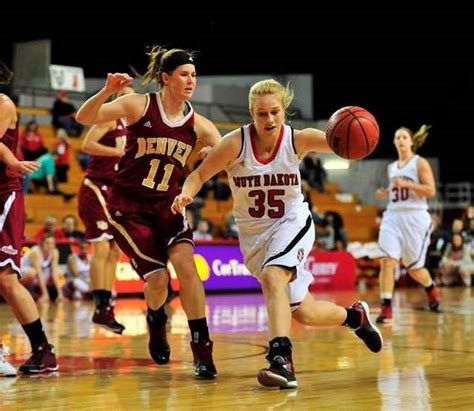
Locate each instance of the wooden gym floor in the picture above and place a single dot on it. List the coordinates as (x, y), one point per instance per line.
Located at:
(427, 362)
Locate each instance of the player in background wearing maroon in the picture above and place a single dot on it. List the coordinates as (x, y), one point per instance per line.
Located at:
(12, 225)
(105, 143)
(162, 131)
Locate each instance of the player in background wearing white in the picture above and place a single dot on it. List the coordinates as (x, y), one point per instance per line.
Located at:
(276, 228)
(406, 224)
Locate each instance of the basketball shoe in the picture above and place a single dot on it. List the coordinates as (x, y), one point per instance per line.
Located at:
(104, 316)
(43, 359)
(158, 343)
(6, 369)
(367, 331)
(385, 316)
(203, 364)
(434, 299)
(281, 372)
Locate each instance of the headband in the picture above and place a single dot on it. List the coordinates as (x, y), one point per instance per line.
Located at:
(177, 59)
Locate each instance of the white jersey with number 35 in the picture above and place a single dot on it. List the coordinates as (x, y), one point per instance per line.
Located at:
(266, 191)
(275, 224)
(403, 198)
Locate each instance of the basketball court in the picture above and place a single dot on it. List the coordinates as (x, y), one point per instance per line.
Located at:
(426, 363)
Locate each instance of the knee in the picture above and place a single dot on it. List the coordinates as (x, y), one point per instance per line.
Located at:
(157, 281)
(272, 283)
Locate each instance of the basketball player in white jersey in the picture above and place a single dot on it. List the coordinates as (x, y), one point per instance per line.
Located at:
(276, 228)
(406, 224)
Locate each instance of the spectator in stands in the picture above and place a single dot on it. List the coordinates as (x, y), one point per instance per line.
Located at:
(334, 219)
(31, 142)
(468, 216)
(77, 285)
(318, 217)
(12, 211)
(61, 158)
(69, 229)
(220, 186)
(231, 228)
(313, 172)
(41, 272)
(306, 191)
(457, 227)
(406, 224)
(45, 176)
(49, 227)
(469, 229)
(67, 236)
(64, 113)
(202, 231)
(438, 241)
(456, 262)
(325, 236)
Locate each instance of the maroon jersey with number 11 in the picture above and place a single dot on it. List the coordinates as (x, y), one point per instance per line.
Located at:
(155, 155)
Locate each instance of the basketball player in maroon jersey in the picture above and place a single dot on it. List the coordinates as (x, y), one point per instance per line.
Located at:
(105, 143)
(12, 225)
(162, 131)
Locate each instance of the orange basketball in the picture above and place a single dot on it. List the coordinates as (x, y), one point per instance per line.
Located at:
(352, 132)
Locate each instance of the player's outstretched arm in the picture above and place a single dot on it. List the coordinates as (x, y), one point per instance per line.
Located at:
(219, 158)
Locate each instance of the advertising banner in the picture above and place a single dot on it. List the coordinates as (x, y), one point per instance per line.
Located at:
(220, 267)
(332, 270)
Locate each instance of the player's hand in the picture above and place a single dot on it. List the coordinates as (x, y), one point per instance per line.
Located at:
(117, 81)
(22, 167)
(180, 202)
(204, 152)
(381, 193)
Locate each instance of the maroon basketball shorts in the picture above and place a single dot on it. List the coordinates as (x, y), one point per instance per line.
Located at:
(12, 227)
